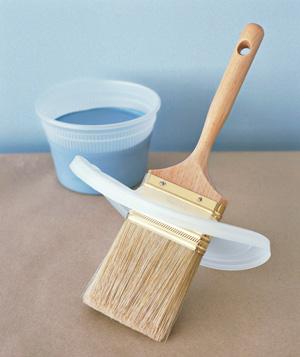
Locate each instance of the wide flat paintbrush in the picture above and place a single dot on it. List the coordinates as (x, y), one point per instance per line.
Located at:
(146, 274)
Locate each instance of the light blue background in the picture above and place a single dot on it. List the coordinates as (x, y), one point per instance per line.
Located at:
(178, 48)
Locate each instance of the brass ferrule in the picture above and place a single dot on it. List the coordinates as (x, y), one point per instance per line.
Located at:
(203, 244)
(192, 240)
(205, 204)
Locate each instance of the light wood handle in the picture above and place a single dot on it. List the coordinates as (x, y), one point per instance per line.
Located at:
(227, 91)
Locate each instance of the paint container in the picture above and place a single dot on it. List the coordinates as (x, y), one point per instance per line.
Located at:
(108, 122)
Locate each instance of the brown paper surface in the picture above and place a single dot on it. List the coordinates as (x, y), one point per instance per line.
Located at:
(52, 240)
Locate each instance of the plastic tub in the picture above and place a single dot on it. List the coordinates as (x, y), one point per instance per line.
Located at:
(119, 149)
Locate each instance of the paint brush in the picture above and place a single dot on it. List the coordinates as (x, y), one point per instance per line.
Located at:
(146, 274)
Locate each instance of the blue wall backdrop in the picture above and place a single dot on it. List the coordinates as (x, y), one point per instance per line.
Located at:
(178, 48)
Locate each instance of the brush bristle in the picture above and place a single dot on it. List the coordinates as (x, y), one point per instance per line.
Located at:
(142, 281)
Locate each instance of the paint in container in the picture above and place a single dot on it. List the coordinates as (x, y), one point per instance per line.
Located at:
(108, 122)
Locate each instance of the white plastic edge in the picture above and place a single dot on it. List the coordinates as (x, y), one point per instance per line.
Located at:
(209, 261)
(124, 196)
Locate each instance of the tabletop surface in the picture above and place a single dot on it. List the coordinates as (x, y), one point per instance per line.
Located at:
(52, 241)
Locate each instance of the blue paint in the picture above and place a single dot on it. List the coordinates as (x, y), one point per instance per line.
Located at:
(96, 116)
(128, 166)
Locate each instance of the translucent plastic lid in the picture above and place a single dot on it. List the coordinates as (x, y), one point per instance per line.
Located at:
(238, 253)
(232, 247)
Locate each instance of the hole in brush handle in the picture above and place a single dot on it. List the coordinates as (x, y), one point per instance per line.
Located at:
(244, 48)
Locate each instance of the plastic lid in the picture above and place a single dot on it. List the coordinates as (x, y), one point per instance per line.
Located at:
(224, 254)
(233, 248)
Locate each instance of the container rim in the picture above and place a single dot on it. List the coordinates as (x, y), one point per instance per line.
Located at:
(91, 127)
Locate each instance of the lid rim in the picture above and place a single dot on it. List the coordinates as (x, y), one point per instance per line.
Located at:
(259, 245)
(239, 266)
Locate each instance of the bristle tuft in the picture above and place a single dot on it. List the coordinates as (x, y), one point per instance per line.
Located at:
(142, 281)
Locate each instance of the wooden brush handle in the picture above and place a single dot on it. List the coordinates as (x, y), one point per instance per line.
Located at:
(192, 172)
(227, 91)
